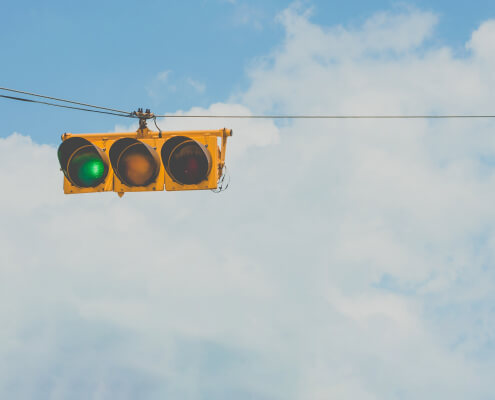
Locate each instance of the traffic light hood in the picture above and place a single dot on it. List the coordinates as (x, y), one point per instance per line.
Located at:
(187, 161)
(134, 162)
(84, 164)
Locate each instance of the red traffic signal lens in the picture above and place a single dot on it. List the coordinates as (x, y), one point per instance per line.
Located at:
(84, 164)
(134, 162)
(187, 161)
(188, 164)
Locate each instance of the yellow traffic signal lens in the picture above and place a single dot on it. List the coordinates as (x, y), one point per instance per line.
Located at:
(137, 169)
(135, 163)
(84, 164)
(187, 161)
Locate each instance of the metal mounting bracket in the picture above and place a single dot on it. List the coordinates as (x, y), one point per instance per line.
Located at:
(143, 117)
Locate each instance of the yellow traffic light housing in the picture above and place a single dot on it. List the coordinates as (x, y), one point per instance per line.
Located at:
(85, 165)
(143, 160)
(137, 165)
(189, 164)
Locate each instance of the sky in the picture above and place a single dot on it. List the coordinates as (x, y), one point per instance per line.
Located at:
(348, 259)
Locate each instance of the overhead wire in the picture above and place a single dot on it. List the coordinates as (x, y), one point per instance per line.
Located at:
(63, 100)
(328, 116)
(121, 113)
(63, 106)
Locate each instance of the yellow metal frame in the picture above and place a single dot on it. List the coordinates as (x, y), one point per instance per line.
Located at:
(211, 143)
(106, 185)
(157, 185)
(155, 139)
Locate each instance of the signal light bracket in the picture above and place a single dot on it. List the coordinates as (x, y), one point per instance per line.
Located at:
(143, 117)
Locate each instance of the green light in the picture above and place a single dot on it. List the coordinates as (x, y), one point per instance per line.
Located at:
(89, 167)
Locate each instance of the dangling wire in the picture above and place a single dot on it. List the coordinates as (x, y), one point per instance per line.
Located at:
(157, 127)
(223, 182)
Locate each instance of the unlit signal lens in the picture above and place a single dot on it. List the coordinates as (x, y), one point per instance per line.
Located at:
(137, 168)
(187, 161)
(134, 162)
(188, 164)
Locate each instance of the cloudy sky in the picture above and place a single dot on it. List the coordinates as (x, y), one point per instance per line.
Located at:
(347, 260)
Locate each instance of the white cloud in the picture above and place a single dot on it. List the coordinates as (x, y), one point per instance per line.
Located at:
(348, 259)
(164, 75)
(249, 15)
(481, 43)
(196, 85)
(246, 133)
(161, 83)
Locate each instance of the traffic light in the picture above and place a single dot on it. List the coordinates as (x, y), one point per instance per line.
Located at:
(85, 165)
(136, 165)
(189, 163)
(142, 161)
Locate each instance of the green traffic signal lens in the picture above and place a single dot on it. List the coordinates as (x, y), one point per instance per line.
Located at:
(90, 169)
(84, 164)
(86, 168)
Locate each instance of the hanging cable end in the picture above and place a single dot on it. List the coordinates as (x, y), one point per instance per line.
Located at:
(157, 127)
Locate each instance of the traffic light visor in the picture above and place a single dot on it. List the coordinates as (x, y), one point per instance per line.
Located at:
(187, 161)
(135, 163)
(84, 164)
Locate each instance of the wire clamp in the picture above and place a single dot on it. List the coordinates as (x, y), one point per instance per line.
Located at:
(143, 117)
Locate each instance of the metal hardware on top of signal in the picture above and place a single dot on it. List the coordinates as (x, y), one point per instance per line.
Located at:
(143, 117)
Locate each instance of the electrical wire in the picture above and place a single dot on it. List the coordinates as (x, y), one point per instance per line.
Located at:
(62, 106)
(157, 127)
(222, 185)
(63, 100)
(120, 113)
(328, 116)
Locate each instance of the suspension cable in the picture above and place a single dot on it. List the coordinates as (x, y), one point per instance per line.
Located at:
(328, 116)
(63, 100)
(116, 112)
(63, 106)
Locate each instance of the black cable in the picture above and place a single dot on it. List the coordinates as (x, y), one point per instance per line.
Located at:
(133, 115)
(62, 106)
(329, 116)
(157, 127)
(63, 100)
(221, 185)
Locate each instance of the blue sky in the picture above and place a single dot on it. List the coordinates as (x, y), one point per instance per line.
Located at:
(347, 259)
(112, 53)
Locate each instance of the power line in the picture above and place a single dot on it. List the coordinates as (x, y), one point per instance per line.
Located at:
(62, 106)
(120, 113)
(62, 100)
(328, 116)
